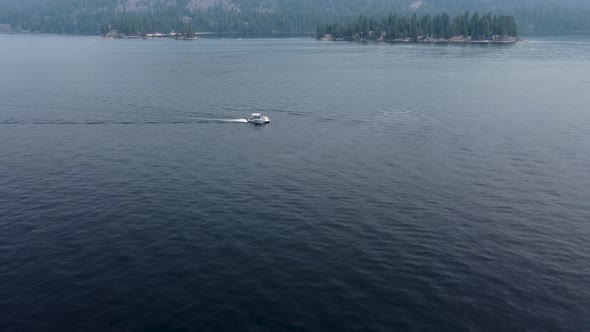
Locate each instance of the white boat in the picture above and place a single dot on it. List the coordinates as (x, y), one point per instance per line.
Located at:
(258, 118)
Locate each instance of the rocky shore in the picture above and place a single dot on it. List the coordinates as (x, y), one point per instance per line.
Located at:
(117, 35)
(495, 39)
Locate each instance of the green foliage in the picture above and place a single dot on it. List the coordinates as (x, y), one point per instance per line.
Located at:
(395, 26)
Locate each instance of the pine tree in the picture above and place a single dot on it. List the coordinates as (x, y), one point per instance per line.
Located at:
(446, 25)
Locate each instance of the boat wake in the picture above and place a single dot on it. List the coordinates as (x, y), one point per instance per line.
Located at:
(236, 120)
(111, 122)
(206, 120)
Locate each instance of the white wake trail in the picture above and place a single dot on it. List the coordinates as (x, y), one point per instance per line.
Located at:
(205, 120)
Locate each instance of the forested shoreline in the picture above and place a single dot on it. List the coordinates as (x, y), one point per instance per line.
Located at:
(426, 28)
(268, 18)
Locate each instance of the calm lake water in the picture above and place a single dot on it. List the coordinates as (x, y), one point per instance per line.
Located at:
(397, 187)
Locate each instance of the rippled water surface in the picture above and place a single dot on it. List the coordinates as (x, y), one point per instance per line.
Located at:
(397, 187)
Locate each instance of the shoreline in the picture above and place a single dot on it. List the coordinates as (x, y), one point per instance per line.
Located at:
(494, 40)
(199, 36)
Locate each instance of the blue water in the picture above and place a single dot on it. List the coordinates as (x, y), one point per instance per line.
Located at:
(397, 187)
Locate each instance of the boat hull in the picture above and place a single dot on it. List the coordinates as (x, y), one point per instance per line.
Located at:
(258, 122)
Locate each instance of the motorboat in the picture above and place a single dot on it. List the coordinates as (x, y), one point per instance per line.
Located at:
(258, 118)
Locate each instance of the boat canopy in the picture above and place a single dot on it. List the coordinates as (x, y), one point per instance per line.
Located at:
(255, 115)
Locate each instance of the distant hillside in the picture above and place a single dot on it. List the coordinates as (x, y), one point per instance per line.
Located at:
(267, 17)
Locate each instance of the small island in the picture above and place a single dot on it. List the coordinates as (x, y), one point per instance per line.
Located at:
(466, 28)
(187, 34)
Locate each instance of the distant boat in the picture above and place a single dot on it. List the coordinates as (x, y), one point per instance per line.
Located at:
(258, 118)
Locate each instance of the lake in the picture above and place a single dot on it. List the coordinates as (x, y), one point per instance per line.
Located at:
(397, 187)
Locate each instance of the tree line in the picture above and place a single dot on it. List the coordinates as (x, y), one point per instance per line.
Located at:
(276, 17)
(394, 26)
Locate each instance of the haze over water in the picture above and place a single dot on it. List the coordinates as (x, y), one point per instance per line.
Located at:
(398, 187)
